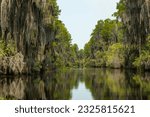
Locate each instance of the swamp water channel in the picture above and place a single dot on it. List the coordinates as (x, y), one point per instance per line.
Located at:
(77, 84)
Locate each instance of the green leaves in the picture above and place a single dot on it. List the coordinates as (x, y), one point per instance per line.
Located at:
(54, 7)
(143, 59)
(6, 50)
(121, 7)
(105, 46)
(114, 55)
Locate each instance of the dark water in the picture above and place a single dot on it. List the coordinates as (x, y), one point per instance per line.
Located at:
(77, 84)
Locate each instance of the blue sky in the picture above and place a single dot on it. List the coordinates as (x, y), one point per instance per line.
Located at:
(81, 16)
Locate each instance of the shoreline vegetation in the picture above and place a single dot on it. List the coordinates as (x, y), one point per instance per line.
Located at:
(124, 42)
(33, 39)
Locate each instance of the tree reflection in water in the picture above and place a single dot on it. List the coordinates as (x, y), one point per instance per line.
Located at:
(58, 85)
(117, 85)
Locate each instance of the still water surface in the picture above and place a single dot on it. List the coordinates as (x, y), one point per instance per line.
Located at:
(77, 84)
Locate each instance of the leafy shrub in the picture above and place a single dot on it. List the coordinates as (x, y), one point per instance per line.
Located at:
(7, 50)
(100, 59)
(143, 59)
(114, 55)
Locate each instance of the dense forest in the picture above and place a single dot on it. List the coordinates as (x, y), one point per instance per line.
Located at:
(33, 39)
(123, 42)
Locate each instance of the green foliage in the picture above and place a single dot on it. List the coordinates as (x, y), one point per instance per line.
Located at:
(87, 50)
(90, 63)
(137, 80)
(6, 50)
(62, 33)
(104, 47)
(81, 54)
(2, 52)
(63, 53)
(100, 58)
(107, 30)
(120, 9)
(114, 55)
(54, 7)
(143, 59)
(37, 66)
